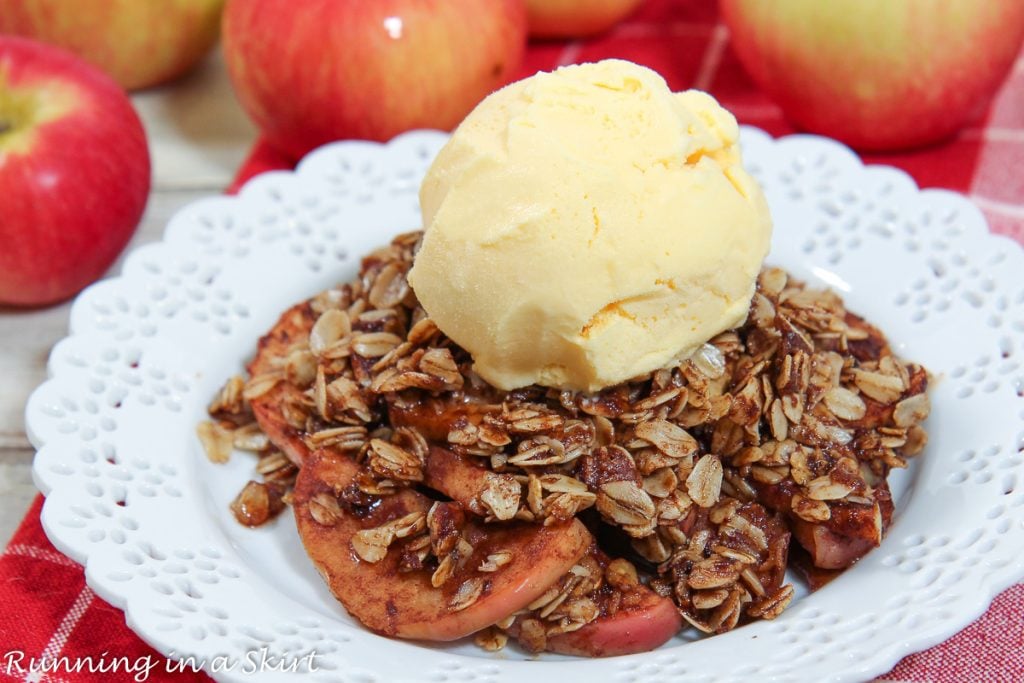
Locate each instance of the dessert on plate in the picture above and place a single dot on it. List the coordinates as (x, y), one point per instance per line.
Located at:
(576, 410)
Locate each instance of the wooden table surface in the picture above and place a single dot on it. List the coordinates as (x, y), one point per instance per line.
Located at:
(198, 137)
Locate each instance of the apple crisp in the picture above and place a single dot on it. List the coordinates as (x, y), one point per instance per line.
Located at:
(679, 491)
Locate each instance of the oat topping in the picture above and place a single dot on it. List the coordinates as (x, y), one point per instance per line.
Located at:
(372, 544)
(217, 441)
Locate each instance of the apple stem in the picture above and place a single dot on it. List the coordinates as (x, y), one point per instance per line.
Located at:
(4, 127)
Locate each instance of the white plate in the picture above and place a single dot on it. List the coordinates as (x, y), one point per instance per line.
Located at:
(130, 494)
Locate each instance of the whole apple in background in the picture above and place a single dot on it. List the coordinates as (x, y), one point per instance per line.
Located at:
(138, 42)
(878, 74)
(321, 70)
(575, 18)
(74, 172)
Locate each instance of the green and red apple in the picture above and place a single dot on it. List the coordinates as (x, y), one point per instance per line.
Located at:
(74, 172)
(878, 74)
(138, 42)
(312, 72)
(576, 18)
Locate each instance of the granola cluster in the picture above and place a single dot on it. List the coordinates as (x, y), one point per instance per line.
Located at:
(697, 475)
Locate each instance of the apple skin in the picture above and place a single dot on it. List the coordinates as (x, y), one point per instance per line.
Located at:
(138, 42)
(74, 172)
(320, 70)
(575, 18)
(877, 74)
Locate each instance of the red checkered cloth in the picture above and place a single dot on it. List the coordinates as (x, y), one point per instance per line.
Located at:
(49, 611)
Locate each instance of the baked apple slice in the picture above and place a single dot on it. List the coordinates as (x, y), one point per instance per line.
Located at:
(280, 368)
(599, 609)
(648, 622)
(851, 530)
(828, 549)
(482, 492)
(631, 618)
(363, 552)
(849, 534)
(836, 543)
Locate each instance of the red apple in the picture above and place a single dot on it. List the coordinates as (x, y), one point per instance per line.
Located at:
(575, 18)
(320, 70)
(138, 42)
(878, 74)
(74, 172)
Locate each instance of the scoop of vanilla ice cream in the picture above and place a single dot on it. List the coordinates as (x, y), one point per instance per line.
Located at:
(587, 226)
